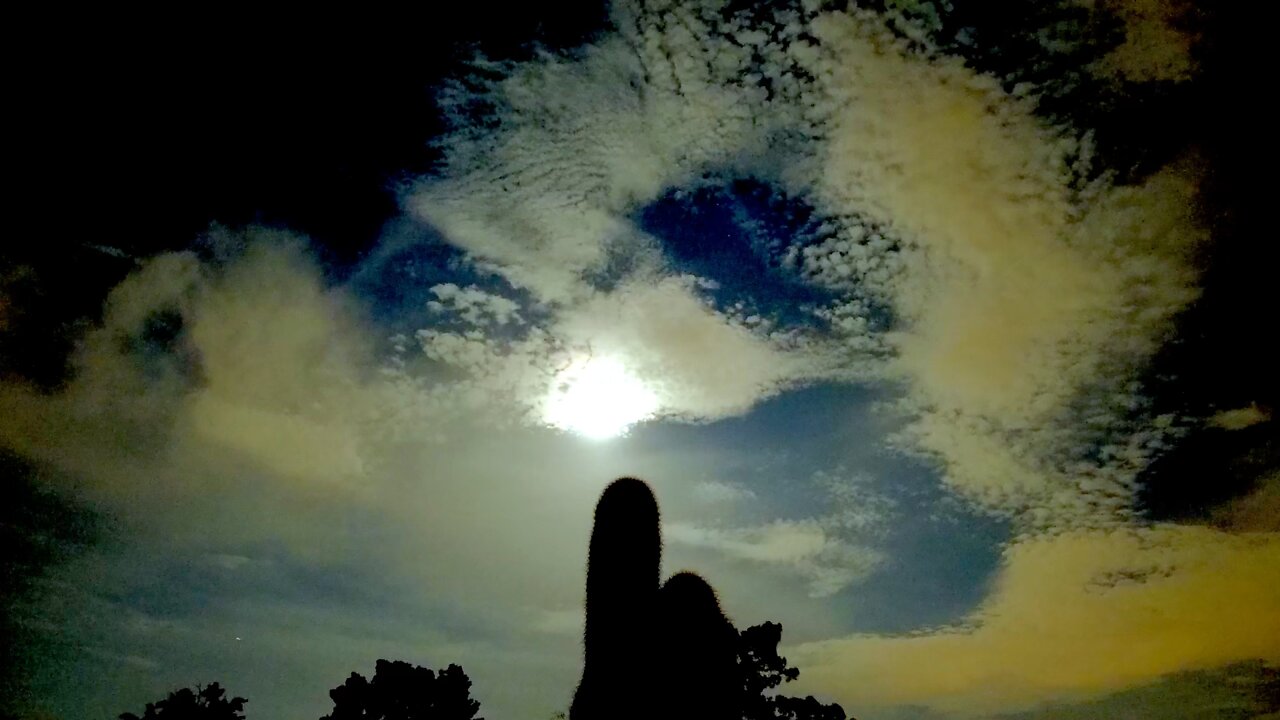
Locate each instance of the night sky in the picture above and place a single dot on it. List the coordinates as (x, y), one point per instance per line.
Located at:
(942, 333)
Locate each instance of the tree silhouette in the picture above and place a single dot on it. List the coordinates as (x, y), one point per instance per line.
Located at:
(400, 691)
(761, 669)
(633, 625)
(204, 703)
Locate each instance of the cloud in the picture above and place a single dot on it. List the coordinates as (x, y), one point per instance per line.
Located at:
(560, 622)
(777, 542)
(1158, 41)
(1025, 296)
(828, 563)
(1071, 616)
(235, 402)
(281, 361)
(716, 492)
(1258, 511)
(546, 193)
(831, 551)
(578, 143)
(1027, 290)
(473, 305)
(1240, 418)
(1236, 691)
(252, 356)
(698, 363)
(981, 262)
(228, 418)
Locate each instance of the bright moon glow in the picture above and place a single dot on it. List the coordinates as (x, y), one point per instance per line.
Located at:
(598, 398)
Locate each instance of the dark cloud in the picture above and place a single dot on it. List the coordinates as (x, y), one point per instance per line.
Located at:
(1237, 692)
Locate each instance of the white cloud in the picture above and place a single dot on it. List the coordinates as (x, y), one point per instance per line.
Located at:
(474, 305)
(698, 363)
(831, 551)
(1025, 299)
(1024, 304)
(778, 542)
(805, 547)
(717, 492)
(581, 142)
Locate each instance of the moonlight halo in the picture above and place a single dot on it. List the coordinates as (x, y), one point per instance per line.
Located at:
(598, 398)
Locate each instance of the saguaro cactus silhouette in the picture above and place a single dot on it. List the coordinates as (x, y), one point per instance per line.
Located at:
(633, 627)
(700, 652)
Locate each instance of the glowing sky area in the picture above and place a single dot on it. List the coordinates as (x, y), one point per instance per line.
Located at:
(940, 331)
(598, 399)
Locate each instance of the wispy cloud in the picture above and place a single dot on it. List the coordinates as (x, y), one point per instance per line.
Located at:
(828, 563)
(830, 551)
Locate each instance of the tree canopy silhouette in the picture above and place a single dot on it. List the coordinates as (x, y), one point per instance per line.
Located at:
(203, 703)
(400, 691)
(762, 669)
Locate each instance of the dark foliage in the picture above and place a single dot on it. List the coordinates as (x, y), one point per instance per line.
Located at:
(762, 669)
(805, 708)
(400, 691)
(203, 703)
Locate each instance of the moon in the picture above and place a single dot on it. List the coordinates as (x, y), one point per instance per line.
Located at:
(598, 398)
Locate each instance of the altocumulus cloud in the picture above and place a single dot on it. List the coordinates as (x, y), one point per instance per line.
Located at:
(1026, 295)
(1027, 289)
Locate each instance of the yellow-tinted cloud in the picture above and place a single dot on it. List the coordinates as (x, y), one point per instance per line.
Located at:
(1259, 511)
(1240, 418)
(1008, 297)
(1020, 290)
(280, 360)
(1156, 46)
(1071, 616)
(262, 366)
